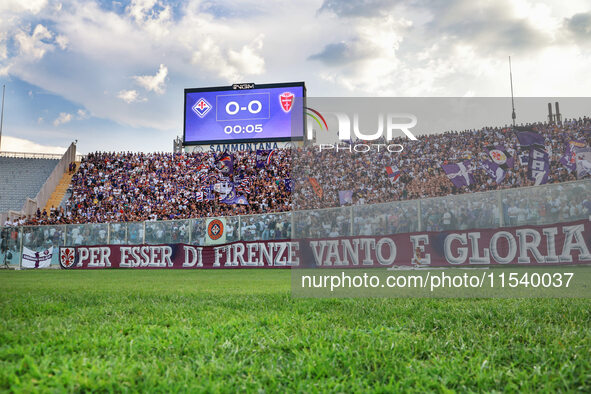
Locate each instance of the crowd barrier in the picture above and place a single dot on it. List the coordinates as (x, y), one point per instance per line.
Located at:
(537, 205)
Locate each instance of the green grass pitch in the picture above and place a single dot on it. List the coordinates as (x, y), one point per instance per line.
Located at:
(227, 331)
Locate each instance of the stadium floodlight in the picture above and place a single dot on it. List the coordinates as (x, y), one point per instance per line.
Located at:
(2, 116)
(513, 116)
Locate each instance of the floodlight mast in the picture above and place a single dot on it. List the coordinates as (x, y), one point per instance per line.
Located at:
(513, 116)
(2, 116)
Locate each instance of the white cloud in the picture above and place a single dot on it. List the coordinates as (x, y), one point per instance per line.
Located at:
(14, 144)
(82, 114)
(450, 49)
(130, 96)
(62, 42)
(230, 64)
(107, 47)
(379, 53)
(33, 45)
(140, 9)
(63, 118)
(369, 61)
(3, 49)
(16, 6)
(153, 83)
(152, 15)
(248, 59)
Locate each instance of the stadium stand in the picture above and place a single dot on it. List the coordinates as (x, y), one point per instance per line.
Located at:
(130, 187)
(21, 178)
(421, 174)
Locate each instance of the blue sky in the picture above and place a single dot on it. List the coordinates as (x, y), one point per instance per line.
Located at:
(111, 74)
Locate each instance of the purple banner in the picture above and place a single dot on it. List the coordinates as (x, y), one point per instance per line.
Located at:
(583, 161)
(459, 174)
(225, 163)
(554, 244)
(261, 157)
(501, 157)
(493, 170)
(527, 138)
(569, 158)
(538, 167)
(345, 197)
(234, 198)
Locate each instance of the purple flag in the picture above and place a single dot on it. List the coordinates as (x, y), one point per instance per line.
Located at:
(538, 167)
(583, 162)
(225, 163)
(261, 157)
(501, 157)
(527, 138)
(524, 157)
(493, 170)
(524, 128)
(569, 158)
(345, 197)
(459, 174)
(209, 192)
(242, 200)
(233, 198)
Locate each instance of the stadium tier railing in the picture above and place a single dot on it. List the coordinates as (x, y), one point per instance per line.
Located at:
(535, 205)
(28, 155)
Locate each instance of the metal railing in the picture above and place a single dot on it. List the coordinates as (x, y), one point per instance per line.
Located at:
(535, 205)
(29, 155)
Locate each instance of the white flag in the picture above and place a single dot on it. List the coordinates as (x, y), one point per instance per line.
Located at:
(32, 259)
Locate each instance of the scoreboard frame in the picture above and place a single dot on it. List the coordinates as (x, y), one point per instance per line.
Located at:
(243, 87)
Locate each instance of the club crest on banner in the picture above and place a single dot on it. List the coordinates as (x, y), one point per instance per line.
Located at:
(67, 257)
(215, 229)
(286, 100)
(498, 156)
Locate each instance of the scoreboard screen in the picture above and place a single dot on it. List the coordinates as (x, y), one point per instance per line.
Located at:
(267, 112)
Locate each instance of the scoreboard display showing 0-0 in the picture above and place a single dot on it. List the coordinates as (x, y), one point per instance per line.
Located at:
(269, 112)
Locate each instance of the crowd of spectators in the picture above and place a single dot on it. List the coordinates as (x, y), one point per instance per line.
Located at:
(132, 187)
(420, 165)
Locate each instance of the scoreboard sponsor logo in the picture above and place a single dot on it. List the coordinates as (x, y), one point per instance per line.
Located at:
(242, 86)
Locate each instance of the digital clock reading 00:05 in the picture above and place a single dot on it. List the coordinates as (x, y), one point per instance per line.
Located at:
(238, 129)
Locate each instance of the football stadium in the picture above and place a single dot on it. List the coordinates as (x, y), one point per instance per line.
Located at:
(284, 235)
